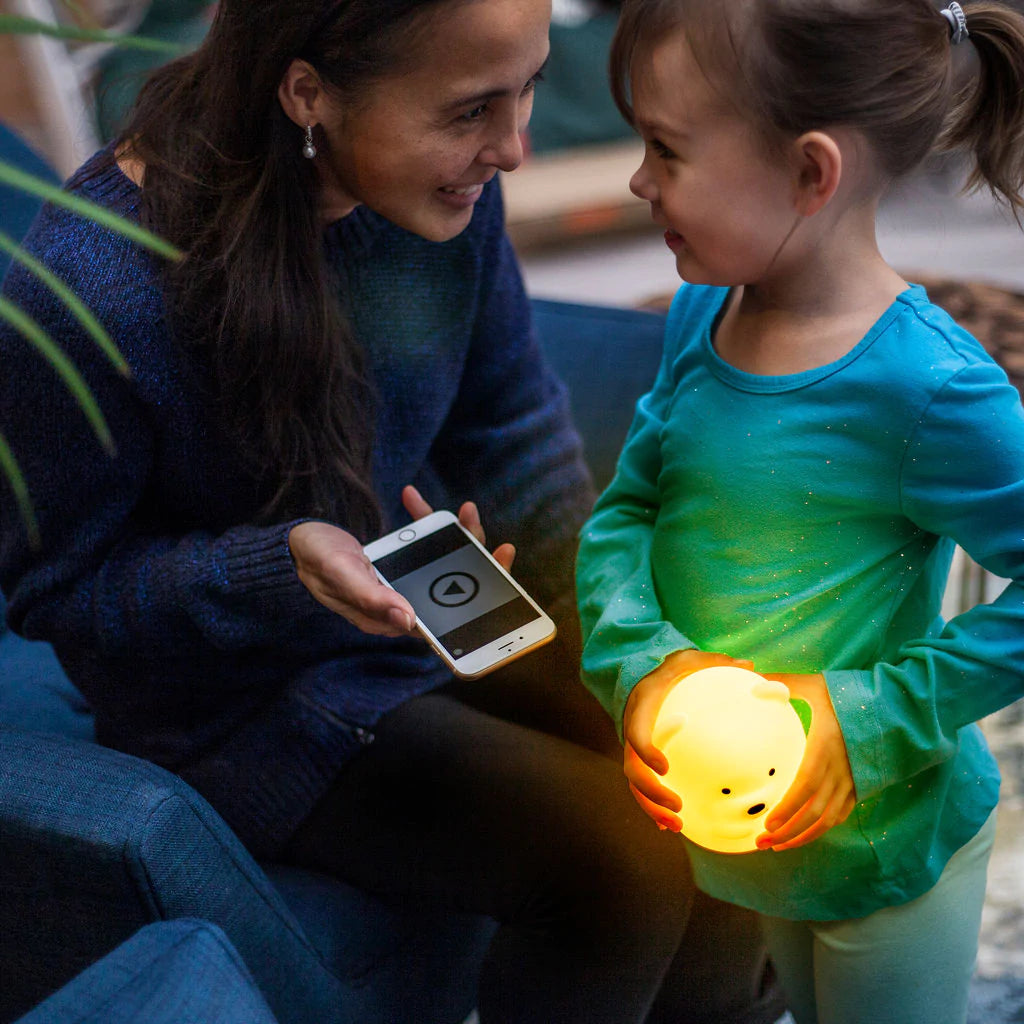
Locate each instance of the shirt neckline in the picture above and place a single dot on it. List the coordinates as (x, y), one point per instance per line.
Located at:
(741, 380)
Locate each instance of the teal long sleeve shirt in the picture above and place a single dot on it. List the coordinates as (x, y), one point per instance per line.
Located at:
(807, 522)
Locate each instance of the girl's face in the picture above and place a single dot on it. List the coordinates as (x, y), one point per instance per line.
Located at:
(419, 146)
(726, 207)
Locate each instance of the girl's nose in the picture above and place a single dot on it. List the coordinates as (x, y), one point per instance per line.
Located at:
(641, 186)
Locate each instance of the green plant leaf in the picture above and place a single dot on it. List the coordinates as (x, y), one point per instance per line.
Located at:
(78, 309)
(67, 370)
(16, 178)
(10, 469)
(15, 24)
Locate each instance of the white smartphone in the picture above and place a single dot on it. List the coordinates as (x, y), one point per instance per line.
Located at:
(469, 609)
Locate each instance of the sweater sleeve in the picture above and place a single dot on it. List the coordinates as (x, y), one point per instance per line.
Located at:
(625, 633)
(105, 577)
(902, 716)
(509, 442)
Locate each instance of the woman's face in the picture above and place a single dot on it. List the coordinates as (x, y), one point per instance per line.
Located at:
(419, 146)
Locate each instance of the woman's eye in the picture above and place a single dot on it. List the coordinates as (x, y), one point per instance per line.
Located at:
(532, 83)
(475, 114)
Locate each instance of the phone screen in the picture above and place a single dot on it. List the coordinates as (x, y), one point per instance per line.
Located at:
(456, 592)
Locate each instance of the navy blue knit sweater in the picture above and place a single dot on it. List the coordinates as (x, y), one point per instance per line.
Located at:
(185, 626)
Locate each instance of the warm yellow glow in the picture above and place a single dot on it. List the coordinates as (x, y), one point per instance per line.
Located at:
(733, 743)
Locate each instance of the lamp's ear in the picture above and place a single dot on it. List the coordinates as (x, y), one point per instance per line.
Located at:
(301, 94)
(771, 689)
(819, 169)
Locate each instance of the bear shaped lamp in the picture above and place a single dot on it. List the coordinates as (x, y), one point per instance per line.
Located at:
(733, 743)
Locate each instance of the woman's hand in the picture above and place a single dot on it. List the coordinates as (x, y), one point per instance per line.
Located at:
(822, 794)
(643, 762)
(469, 517)
(333, 568)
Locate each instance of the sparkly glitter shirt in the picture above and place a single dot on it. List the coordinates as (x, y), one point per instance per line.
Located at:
(807, 522)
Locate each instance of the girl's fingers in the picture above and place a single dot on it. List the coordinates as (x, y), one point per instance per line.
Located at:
(661, 816)
(831, 817)
(641, 776)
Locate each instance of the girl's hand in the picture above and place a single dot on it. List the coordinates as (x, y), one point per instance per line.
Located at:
(822, 794)
(643, 762)
(469, 517)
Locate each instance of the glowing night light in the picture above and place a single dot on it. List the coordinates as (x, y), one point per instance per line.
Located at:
(734, 743)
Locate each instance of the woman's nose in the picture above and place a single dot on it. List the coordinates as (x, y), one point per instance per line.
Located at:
(505, 151)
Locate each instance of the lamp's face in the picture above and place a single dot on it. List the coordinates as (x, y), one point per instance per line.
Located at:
(734, 744)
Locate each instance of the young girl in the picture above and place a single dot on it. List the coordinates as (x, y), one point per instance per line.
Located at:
(818, 437)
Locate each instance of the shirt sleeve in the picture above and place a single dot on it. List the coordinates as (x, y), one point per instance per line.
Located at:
(625, 633)
(99, 578)
(963, 478)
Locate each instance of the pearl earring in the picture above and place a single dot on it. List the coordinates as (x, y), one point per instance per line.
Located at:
(308, 149)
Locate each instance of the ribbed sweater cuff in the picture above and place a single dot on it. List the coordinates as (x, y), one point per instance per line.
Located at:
(260, 563)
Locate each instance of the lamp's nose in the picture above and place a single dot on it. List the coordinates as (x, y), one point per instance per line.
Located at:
(756, 809)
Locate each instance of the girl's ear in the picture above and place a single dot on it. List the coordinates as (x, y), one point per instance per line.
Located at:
(819, 165)
(301, 94)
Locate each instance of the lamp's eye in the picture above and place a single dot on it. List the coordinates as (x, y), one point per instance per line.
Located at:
(771, 771)
(727, 790)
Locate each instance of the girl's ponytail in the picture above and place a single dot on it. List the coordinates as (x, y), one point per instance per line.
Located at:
(987, 119)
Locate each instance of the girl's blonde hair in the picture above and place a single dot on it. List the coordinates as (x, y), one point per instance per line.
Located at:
(888, 70)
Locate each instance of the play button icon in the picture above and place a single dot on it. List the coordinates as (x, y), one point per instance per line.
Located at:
(454, 589)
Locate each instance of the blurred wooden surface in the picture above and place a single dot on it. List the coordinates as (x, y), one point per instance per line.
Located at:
(17, 106)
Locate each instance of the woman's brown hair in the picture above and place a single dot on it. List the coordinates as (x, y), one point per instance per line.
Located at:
(226, 181)
(888, 70)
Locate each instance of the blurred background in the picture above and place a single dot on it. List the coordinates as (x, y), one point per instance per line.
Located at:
(582, 237)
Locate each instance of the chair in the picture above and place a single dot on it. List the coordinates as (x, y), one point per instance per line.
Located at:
(174, 972)
(19, 207)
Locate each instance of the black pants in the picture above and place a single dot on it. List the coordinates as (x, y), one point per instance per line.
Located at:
(505, 797)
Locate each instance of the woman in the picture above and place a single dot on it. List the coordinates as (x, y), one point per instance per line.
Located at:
(347, 319)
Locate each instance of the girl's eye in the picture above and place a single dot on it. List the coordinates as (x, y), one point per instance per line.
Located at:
(661, 149)
(532, 83)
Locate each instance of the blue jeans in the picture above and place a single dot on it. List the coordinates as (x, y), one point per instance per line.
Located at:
(910, 963)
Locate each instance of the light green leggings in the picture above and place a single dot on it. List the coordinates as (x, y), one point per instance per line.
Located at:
(909, 964)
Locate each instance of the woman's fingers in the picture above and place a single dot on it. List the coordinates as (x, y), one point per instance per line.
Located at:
(469, 518)
(505, 555)
(333, 567)
(414, 503)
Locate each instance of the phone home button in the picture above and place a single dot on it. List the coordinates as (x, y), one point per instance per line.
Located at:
(407, 535)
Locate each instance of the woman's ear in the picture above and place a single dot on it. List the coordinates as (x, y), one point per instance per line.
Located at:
(301, 94)
(819, 166)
